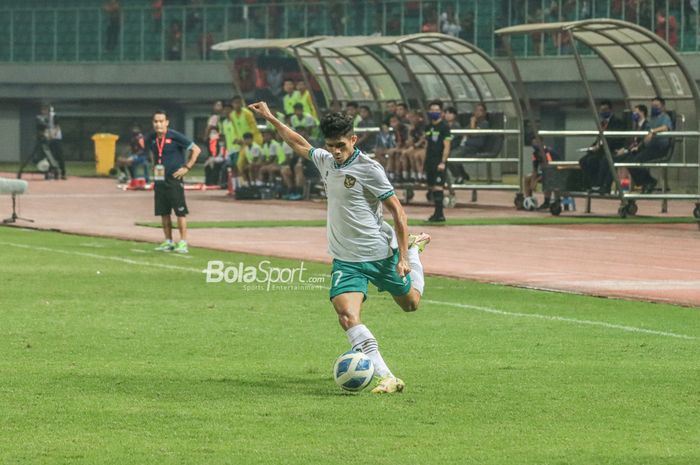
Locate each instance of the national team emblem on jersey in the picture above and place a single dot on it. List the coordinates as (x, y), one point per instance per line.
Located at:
(349, 181)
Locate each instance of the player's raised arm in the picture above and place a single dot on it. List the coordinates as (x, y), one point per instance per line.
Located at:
(295, 141)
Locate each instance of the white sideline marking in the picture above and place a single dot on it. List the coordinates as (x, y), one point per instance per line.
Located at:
(494, 311)
(103, 257)
(631, 329)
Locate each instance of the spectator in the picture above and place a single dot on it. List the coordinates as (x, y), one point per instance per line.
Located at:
(389, 110)
(304, 97)
(157, 14)
(175, 41)
(291, 96)
(250, 160)
(640, 123)
(334, 107)
(112, 10)
(539, 154)
(215, 147)
(231, 143)
(438, 149)
(666, 27)
(363, 138)
(384, 143)
(415, 152)
(302, 120)
(137, 156)
(273, 158)
(449, 22)
(473, 144)
(397, 167)
(594, 164)
(457, 150)
(466, 31)
(351, 109)
(653, 147)
(431, 22)
(243, 120)
(293, 172)
(401, 112)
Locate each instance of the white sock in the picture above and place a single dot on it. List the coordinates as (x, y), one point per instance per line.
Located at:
(417, 279)
(361, 339)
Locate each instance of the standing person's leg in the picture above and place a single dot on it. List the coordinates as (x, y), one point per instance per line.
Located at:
(167, 223)
(348, 291)
(163, 209)
(436, 181)
(177, 192)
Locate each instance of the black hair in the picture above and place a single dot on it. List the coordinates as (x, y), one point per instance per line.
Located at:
(482, 105)
(336, 125)
(402, 104)
(236, 97)
(160, 112)
(248, 135)
(366, 108)
(452, 110)
(660, 99)
(288, 80)
(643, 108)
(607, 103)
(351, 104)
(298, 106)
(435, 102)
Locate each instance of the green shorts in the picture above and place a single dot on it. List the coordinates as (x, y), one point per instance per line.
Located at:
(353, 277)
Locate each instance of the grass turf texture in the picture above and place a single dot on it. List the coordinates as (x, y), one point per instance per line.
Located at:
(518, 221)
(146, 363)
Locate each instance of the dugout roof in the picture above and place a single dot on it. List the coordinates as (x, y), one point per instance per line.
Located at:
(643, 64)
(414, 68)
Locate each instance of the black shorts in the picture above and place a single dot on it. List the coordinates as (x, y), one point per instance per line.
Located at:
(170, 196)
(432, 176)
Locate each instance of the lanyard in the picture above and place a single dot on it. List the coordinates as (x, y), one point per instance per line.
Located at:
(160, 147)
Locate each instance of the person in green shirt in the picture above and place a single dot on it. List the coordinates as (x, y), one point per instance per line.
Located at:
(291, 96)
(305, 99)
(273, 158)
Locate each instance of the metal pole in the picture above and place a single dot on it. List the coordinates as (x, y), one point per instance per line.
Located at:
(77, 35)
(55, 35)
(162, 33)
(203, 47)
(33, 35)
(143, 37)
(99, 35)
(12, 35)
(121, 35)
(594, 112)
(183, 39)
(226, 18)
(528, 110)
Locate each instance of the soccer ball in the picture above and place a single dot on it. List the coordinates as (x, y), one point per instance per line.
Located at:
(353, 371)
(530, 204)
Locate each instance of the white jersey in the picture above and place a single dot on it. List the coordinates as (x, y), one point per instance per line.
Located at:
(355, 190)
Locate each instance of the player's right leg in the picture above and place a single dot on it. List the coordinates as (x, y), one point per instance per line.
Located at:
(348, 291)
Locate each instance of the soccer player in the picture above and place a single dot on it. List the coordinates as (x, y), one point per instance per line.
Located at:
(168, 148)
(364, 248)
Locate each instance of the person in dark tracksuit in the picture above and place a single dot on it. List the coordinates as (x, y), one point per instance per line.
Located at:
(594, 164)
(168, 149)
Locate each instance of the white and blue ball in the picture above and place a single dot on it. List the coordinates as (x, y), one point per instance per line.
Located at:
(353, 371)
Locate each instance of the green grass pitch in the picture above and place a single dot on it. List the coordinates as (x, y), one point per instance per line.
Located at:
(111, 353)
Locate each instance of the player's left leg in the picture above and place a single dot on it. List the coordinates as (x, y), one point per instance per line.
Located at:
(409, 302)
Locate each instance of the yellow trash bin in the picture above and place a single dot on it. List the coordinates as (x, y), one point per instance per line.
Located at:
(105, 149)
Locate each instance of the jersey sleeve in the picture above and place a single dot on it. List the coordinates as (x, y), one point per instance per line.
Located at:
(319, 157)
(181, 140)
(377, 182)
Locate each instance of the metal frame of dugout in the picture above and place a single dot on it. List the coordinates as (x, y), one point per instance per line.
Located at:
(644, 66)
(415, 69)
